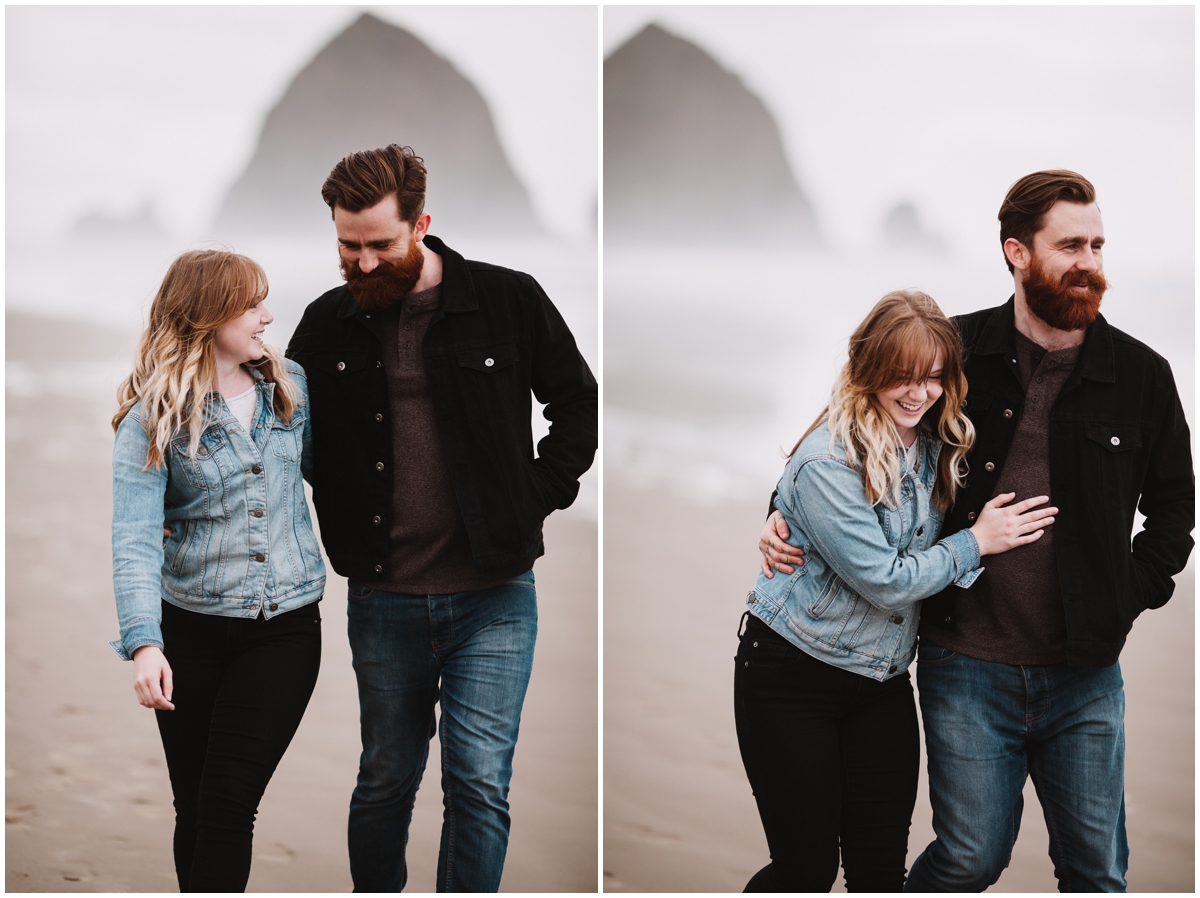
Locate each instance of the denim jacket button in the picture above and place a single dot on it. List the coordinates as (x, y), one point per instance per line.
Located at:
(257, 469)
(258, 512)
(897, 618)
(920, 530)
(274, 606)
(202, 451)
(892, 669)
(260, 557)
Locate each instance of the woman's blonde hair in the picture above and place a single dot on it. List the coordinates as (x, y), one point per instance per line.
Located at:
(899, 341)
(174, 370)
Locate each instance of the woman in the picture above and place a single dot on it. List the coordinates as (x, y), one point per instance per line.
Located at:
(825, 715)
(221, 618)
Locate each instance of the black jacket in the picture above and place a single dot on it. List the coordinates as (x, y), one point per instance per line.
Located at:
(1118, 442)
(494, 339)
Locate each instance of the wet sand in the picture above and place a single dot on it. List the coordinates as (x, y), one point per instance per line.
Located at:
(679, 814)
(88, 803)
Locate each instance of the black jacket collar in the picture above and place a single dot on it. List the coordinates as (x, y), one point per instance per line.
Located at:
(1096, 360)
(458, 290)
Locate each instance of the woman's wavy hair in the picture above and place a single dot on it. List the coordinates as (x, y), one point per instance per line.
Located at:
(898, 342)
(174, 369)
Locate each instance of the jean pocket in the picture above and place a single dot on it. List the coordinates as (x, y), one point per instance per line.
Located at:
(356, 592)
(931, 655)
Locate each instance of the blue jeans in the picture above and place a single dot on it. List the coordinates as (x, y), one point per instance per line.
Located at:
(473, 652)
(987, 726)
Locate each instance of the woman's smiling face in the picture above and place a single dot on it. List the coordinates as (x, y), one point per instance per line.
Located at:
(906, 403)
(240, 340)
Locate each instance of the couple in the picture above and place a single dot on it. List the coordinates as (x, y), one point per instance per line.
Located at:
(1017, 662)
(405, 402)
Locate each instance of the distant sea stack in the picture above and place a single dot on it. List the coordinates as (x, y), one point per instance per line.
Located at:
(691, 155)
(372, 85)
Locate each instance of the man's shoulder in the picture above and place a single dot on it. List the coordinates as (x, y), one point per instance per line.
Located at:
(1128, 349)
(485, 273)
(969, 324)
(327, 303)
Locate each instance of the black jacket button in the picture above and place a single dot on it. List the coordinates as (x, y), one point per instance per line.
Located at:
(376, 520)
(972, 516)
(378, 466)
(989, 467)
(379, 568)
(378, 416)
(1008, 413)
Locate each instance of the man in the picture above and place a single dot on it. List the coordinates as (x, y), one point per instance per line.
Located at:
(431, 502)
(1018, 674)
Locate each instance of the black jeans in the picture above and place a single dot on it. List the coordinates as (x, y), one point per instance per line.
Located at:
(241, 687)
(832, 757)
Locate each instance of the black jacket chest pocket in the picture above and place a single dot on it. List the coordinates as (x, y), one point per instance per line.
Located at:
(339, 365)
(490, 359)
(1115, 437)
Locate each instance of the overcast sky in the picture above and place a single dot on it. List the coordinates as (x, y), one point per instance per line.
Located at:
(947, 106)
(108, 107)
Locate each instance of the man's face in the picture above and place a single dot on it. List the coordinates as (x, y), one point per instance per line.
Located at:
(1064, 281)
(381, 256)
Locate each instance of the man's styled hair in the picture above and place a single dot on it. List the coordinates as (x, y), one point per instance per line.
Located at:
(363, 179)
(1029, 200)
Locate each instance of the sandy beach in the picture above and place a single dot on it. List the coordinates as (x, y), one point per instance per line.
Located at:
(679, 814)
(88, 803)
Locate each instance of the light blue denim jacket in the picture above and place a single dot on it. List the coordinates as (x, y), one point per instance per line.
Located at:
(242, 540)
(855, 601)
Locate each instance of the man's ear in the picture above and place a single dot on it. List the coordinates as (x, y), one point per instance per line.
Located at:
(1017, 253)
(422, 227)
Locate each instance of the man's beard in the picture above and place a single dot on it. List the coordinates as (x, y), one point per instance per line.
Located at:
(1057, 304)
(387, 282)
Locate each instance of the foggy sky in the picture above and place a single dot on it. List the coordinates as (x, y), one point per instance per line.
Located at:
(947, 106)
(108, 107)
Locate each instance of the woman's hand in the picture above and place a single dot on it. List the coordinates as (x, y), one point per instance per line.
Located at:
(152, 678)
(1002, 528)
(775, 550)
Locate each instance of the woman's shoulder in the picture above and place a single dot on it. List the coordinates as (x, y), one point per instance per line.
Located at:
(294, 368)
(820, 448)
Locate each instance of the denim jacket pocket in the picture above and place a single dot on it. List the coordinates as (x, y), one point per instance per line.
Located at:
(832, 590)
(202, 471)
(179, 558)
(287, 439)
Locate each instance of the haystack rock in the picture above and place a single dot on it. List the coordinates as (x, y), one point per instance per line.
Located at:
(903, 230)
(690, 154)
(372, 85)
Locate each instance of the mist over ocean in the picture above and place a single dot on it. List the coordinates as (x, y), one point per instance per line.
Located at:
(717, 360)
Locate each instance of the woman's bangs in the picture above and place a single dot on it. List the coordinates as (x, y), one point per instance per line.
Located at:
(914, 350)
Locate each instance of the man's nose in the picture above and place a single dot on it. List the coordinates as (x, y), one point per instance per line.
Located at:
(1090, 261)
(367, 261)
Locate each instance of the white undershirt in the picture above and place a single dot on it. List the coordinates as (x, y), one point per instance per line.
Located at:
(910, 455)
(243, 405)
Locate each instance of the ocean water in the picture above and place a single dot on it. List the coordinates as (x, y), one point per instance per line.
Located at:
(108, 283)
(716, 363)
